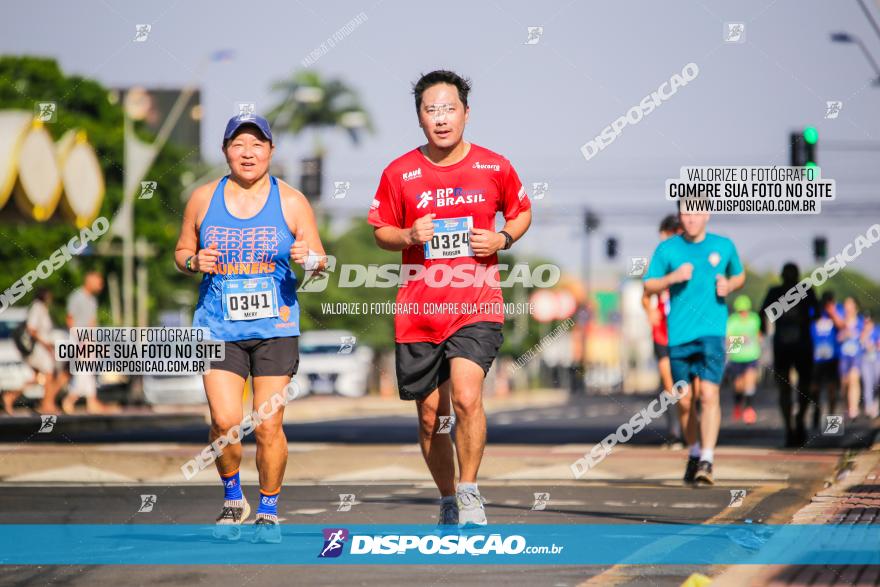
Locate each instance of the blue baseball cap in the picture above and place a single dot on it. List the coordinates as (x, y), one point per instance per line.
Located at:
(236, 122)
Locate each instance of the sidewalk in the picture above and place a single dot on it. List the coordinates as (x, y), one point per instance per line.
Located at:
(333, 407)
(310, 409)
(853, 498)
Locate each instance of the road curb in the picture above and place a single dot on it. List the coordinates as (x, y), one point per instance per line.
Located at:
(852, 498)
(36, 429)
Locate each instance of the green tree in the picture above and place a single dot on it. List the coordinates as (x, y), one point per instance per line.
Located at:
(848, 282)
(310, 103)
(86, 104)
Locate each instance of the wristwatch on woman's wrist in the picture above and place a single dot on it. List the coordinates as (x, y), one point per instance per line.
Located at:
(188, 264)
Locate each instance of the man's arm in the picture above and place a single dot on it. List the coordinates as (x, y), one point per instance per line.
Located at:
(392, 238)
(488, 242)
(768, 299)
(814, 308)
(74, 306)
(656, 285)
(737, 281)
(652, 311)
(734, 275)
(725, 285)
(517, 227)
(831, 309)
(646, 302)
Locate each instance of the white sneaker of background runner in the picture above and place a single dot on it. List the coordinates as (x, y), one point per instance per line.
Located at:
(471, 512)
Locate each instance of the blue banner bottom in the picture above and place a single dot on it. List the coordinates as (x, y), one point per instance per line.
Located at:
(520, 544)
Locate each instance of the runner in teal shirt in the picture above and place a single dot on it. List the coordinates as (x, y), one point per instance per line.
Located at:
(695, 309)
(699, 269)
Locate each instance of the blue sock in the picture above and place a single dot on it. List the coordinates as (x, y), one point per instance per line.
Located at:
(231, 486)
(269, 503)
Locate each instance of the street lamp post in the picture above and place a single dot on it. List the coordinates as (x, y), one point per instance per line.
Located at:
(139, 157)
(843, 37)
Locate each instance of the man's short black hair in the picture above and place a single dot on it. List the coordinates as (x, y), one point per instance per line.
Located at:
(42, 294)
(790, 273)
(670, 224)
(441, 76)
(791, 267)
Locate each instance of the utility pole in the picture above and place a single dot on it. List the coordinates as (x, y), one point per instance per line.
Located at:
(591, 224)
(138, 159)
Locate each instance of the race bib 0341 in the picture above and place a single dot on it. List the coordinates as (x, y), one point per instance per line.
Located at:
(249, 299)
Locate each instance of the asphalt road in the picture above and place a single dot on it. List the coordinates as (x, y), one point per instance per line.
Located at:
(398, 503)
(632, 487)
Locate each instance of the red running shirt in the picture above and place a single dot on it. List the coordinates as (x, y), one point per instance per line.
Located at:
(480, 185)
(660, 330)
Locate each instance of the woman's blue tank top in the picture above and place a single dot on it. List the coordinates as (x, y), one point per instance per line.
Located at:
(252, 291)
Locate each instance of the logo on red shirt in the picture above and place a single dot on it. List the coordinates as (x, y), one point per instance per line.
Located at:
(424, 198)
(450, 197)
(414, 174)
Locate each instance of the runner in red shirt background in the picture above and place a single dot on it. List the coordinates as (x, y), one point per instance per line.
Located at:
(657, 307)
(437, 204)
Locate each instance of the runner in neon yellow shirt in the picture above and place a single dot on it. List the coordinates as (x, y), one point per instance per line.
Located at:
(743, 352)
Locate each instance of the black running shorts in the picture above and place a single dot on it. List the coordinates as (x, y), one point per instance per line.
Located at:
(261, 357)
(825, 372)
(423, 366)
(660, 351)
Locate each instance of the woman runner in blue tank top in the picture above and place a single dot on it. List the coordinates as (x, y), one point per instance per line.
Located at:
(242, 232)
(252, 292)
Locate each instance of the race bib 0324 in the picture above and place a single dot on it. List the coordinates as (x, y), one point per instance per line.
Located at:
(452, 238)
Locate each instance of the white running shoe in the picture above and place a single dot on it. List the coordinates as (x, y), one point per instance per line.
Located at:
(234, 512)
(471, 513)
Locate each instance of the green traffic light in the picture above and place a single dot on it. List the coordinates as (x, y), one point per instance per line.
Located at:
(811, 135)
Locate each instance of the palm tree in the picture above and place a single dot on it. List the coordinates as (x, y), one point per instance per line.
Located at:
(312, 104)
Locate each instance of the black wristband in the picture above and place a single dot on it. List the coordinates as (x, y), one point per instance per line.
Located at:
(187, 266)
(508, 240)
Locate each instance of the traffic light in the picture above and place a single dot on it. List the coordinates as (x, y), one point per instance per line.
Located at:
(310, 178)
(611, 247)
(820, 248)
(591, 221)
(803, 147)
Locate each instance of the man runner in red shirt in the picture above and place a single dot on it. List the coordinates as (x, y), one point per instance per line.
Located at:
(437, 204)
(657, 307)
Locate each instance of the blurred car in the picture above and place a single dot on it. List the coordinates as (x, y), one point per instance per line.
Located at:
(603, 378)
(331, 361)
(174, 390)
(15, 374)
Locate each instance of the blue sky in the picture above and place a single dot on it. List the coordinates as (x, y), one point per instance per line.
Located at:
(536, 104)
